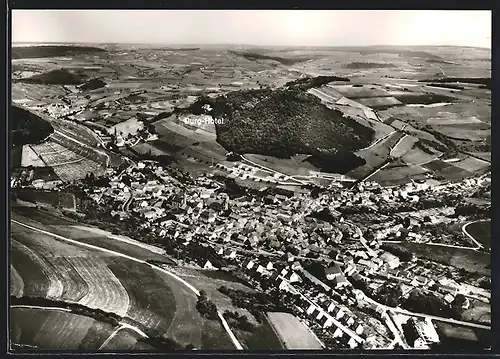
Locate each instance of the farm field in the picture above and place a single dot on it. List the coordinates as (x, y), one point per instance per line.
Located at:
(58, 270)
(481, 231)
(292, 332)
(52, 198)
(375, 155)
(472, 164)
(151, 302)
(453, 335)
(399, 174)
(210, 282)
(30, 326)
(30, 158)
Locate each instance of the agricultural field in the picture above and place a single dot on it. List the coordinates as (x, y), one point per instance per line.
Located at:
(151, 302)
(452, 335)
(51, 198)
(470, 260)
(53, 269)
(292, 332)
(68, 331)
(30, 158)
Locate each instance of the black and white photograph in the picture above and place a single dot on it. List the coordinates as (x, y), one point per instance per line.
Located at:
(250, 180)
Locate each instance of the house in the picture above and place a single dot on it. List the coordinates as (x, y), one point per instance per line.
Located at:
(330, 307)
(208, 265)
(260, 269)
(269, 266)
(326, 322)
(338, 313)
(350, 321)
(352, 343)
(313, 310)
(219, 250)
(391, 260)
(338, 333)
(230, 254)
(340, 281)
(294, 277)
(284, 285)
(333, 272)
(320, 315)
(250, 264)
(359, 329)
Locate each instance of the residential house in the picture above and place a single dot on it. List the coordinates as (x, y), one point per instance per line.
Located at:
(312, 310)
(340, 281)
(359, 329)
(352, 343)
(338, 313)
(333, 272)
(326, 321)
(294, 278)
(391, 260)
(208, 265)
(338, 333)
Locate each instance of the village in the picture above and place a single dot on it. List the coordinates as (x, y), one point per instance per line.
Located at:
(342, 279)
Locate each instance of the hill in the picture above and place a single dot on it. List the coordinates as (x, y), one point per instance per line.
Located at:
(92, 84)
(24, 52)
(368, 65)
(285, 122)
(54, 77)
(28, 128)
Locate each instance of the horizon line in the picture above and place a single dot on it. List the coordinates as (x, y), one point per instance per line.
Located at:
(237, 44)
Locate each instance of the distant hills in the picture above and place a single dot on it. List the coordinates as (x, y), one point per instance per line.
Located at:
(23, 52)
(54, 77)
(28, 128)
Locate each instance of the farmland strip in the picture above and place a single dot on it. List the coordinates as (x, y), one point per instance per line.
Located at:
(55, 288)
(105, 290)
(16, 284)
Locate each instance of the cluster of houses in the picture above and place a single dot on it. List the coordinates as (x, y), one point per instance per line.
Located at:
(241, 228)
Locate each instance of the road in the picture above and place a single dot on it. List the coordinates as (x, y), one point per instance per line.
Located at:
(120, 327)
(273, 171)
(378, 140)
(464, 230)
(396, 145)
(119, 254)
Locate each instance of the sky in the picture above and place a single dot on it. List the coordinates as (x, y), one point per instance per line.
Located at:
(255, 27)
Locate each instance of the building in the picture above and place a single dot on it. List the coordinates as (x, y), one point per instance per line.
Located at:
(391, 260)
(333, 272)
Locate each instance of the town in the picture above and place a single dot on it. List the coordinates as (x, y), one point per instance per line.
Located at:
(323, 255)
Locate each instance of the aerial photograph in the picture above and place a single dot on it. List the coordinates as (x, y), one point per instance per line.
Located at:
(222, 180)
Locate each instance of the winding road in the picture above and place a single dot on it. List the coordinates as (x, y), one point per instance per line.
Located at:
(189, 286)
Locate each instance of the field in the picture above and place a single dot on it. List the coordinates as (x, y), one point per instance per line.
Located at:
(376, 154)
(52, 198)
(292, 332)
(459, 337)
(68, 331)
(481, 231)
(68, 164)
(56, 270)
(469, 260)
(30, 158)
